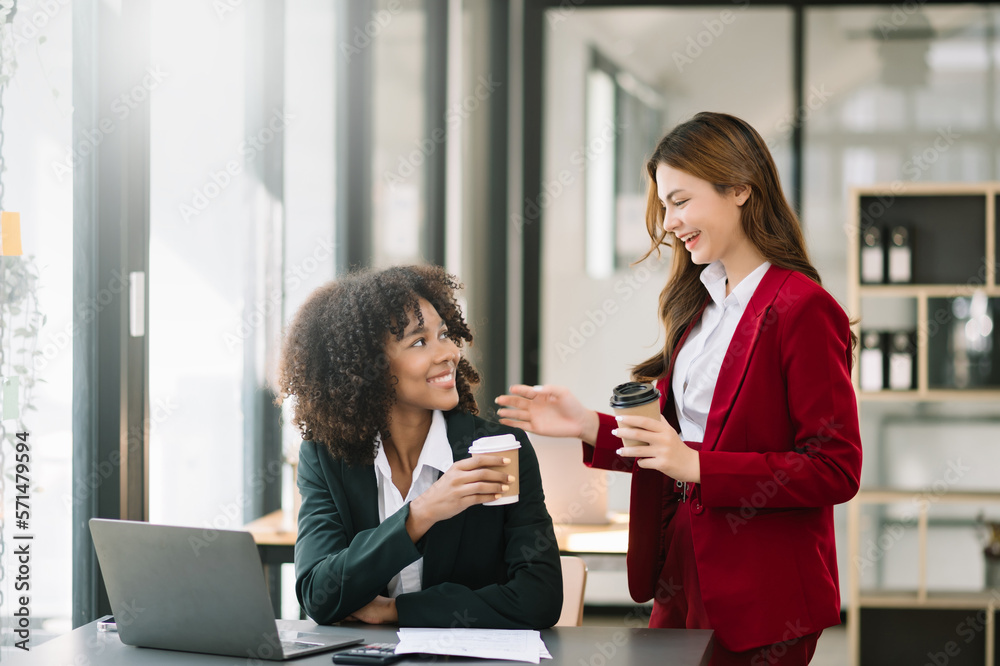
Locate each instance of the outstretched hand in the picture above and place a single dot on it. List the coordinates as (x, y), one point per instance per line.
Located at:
(552, 411)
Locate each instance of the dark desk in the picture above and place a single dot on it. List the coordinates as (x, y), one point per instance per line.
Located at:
(275, 535)
(570, 646)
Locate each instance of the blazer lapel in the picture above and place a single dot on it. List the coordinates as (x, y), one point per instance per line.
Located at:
(737, 358)
(443, 538)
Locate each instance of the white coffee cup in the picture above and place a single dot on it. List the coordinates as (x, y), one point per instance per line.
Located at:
(506, 446)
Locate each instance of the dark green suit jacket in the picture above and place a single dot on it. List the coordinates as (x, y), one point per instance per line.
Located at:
(489, 566)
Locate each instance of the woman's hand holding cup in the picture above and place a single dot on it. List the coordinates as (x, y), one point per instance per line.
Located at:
(467, 482)
(660, 447)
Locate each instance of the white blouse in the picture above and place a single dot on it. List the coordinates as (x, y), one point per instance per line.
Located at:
(435, 459)
(696, 369)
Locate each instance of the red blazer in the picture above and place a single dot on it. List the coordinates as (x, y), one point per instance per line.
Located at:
(781, 447)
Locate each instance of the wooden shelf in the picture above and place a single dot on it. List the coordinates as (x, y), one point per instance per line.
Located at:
(893, 495)
(979, 235)
(972, 600)
(930, 395)
(924, 290)
(898, 188)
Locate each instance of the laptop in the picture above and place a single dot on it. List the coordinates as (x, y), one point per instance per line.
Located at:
(574, 493)
(196, 590)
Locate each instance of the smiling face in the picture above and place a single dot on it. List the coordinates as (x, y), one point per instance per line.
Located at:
(424, 363)
(707, 222)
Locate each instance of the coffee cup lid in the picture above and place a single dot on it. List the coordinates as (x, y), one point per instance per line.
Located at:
(632, 394)
(494, 443)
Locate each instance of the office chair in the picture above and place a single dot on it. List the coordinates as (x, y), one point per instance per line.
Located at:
(574, 572)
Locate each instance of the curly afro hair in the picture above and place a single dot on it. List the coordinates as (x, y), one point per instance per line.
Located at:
(333, 359)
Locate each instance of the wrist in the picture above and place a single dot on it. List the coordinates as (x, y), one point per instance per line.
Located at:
(696, 467)
(591, 424)
(393, 613)
(417, 523)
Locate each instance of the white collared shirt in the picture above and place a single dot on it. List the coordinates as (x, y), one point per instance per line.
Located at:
(435, 459)
(696, 369)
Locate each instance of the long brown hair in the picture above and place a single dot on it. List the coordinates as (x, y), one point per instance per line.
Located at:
(726, 152)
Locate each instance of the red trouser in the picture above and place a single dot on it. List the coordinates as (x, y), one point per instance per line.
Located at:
(678, 604)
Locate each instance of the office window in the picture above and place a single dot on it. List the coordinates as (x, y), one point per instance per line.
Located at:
(401, 150)
(310, 50)
(38, 183)
(200, 151)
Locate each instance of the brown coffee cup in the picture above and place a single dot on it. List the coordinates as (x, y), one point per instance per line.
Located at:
(635, 399)
(504, 446)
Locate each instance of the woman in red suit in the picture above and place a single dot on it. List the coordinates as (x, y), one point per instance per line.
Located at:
(731, 516)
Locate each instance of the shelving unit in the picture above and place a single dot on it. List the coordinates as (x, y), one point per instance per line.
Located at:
(955, 250)
(988, 600)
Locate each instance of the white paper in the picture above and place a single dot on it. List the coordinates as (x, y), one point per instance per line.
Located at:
(512, 644)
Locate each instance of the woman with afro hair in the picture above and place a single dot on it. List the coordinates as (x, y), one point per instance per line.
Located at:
(392, 527)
